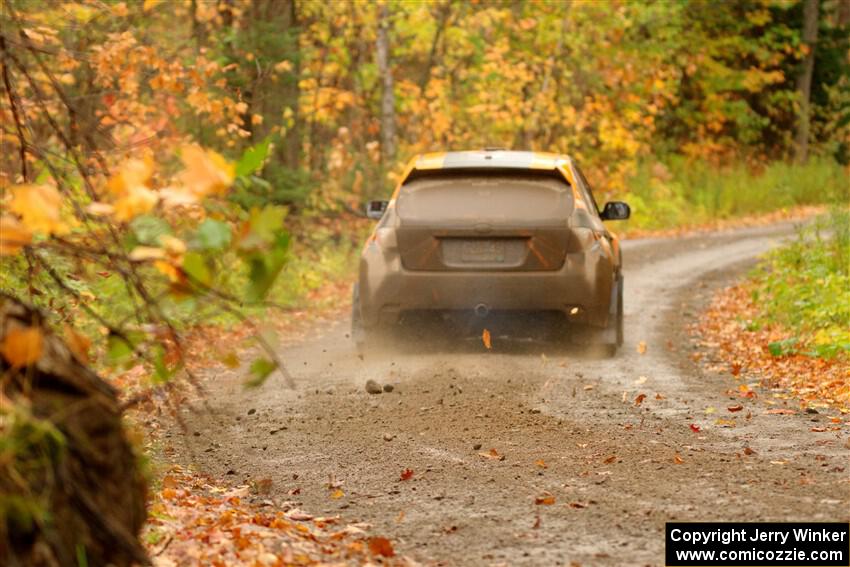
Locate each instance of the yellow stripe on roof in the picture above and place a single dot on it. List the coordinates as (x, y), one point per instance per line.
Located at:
(431, 161)
(543, 160)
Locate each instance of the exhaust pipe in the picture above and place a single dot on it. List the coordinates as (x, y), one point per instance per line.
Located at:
(482, 310)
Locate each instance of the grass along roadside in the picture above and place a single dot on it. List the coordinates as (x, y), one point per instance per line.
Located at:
(681, 193)
(788, 323)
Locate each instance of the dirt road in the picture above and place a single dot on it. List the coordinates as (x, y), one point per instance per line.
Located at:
(566, 424)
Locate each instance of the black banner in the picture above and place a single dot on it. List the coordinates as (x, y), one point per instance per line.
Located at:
(769, 544)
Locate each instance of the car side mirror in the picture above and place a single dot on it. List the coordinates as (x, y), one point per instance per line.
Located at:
(615, 210)
(375, 209)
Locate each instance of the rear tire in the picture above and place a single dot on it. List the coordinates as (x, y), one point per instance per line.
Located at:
(614, 335)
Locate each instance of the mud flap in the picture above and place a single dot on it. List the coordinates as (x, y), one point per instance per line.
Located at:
(358, 332)
(611, 337)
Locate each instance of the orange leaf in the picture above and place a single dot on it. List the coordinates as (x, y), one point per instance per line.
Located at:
(22, 347)
(678, 459)
(206, 171)
(13, 235)
(546, 499)
(735, 408)
(641, 347)
(485, 338)
(406, 474)
(78, 344)
(639, 399)
(381, 546)
(493, 454)
(541, 463)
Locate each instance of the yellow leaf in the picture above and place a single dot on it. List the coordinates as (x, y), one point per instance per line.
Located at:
(641, 347)
(132, 173)
(142, 253)
(39, 207)
(173, 245)
(13, 235)
(337, 494)
(137, 201)
(100, 209)
(283, 66)
(150, 5)
(207, 172)
(22, 347)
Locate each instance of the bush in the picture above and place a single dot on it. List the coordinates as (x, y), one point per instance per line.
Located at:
(805, 286)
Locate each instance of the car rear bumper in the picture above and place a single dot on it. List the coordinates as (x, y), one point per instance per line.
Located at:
(580, 289)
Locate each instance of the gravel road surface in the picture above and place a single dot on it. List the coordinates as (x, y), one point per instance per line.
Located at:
(554, 425)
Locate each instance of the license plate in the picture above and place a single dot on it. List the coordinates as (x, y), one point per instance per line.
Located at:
(483, 251)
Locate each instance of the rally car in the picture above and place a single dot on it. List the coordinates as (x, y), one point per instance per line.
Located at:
(477, 234)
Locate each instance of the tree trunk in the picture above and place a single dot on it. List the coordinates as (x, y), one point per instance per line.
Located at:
(71, 492)
(804, 80)
(843, 16)
(290, 147)
(388, 136)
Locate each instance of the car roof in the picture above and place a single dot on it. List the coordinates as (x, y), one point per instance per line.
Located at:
(487, 159)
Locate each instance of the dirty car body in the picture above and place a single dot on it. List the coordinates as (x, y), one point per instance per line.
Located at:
(485, 232)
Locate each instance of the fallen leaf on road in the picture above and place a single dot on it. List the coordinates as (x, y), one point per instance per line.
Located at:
(639, 399)
(721, 422)
(780, 411)
(381, 546)
(589, 387)
(659, 396)
(546, 499)
(819, 429)
(748, 451)
(577, 505)
(695, 428)
(485, 338)
(678, 459)
(493, 455)
(337, 494)
(641, 380)
(610, 459)
(406, 474)
(641, 347)
(778, 462)
(710, 410)
(735, 408)
(541, 463)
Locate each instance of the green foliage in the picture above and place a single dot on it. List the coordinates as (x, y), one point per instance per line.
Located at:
(805, 286)
(682, 192)
(261, 368)
(253, 158)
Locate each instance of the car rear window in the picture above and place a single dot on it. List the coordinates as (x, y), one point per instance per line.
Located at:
(485, 197)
